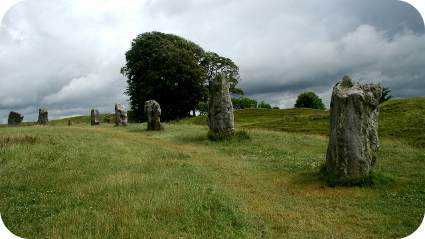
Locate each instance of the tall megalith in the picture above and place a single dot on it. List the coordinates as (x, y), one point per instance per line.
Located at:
(95, 117)
(220, 109)
(15, 118)
(120, 115)
(43, 117)
(153, 111)
(353, 136)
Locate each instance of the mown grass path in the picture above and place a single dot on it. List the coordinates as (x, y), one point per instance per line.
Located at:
(125, 182)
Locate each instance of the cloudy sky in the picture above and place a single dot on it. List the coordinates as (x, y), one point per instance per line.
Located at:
(66, 55)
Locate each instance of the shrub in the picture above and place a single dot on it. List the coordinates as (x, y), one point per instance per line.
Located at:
(309, 100)
(243, 103)
(264, 105)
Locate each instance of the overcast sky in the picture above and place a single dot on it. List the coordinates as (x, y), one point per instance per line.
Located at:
(66, 55)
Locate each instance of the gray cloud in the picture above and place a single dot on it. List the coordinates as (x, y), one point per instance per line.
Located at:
(66, 55)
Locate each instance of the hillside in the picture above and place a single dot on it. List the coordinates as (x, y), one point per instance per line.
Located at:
(401, 120)
(84, 181)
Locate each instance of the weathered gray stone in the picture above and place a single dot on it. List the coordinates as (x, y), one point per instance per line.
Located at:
(111, 118)
(95, 117)
(43, 117)
(69, 122)
(120, 115)
(153, 111)
(15, 118)
(220, 109)
(353, 136)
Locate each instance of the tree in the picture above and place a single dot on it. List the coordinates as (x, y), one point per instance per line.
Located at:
(385, 95)
(309, 100)
(165, 68)
(215, 65)
(243, 103)
(202, 107)
(264, 105)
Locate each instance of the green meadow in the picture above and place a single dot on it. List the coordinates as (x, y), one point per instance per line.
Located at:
(84, 181)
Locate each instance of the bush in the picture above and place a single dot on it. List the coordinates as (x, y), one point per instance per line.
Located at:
(309, 100)
(264, 105)
(243, 103)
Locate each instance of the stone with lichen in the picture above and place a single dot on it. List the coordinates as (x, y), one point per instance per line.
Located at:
(95, 117)
(120, 115)
(15, 118)
(220, 116)
(43, 117)
(353, 136)
(153, 111)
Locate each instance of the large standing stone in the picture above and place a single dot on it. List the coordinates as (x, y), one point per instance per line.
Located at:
(120, 114)
(220, 109)
(353, 135)
(95, 117)
(153, 111)
(43, 117)
(15, 118)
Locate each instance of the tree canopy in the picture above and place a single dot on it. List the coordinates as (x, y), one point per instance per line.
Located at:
(309, 100)
(166, 68)
(385, 95)
(243, 103)
(215, 65)
(264, 105)
(173, 71)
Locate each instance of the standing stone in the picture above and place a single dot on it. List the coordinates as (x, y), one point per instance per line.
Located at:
(69, 122)
(120, 114)
(110, 118)
(43, 117)
(153, 111)
(15, 118)
(95, 117)
(353, 136)
(220, 109)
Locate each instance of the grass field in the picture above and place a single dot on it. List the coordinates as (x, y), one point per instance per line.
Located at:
(85, 181)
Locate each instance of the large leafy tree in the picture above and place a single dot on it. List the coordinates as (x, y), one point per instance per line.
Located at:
(166, 68)
(309, 100)
(215, 65)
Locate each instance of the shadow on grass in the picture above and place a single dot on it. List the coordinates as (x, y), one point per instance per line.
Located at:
(321, 175)
(239, 135)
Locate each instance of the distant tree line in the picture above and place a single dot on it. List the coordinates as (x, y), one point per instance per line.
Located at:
(239, 103)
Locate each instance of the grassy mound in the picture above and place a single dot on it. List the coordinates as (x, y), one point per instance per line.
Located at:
(402, 120)
(122, 182)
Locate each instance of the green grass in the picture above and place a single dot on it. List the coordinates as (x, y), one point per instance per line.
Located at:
(83, 120)
(401, 120)
(125, 182)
